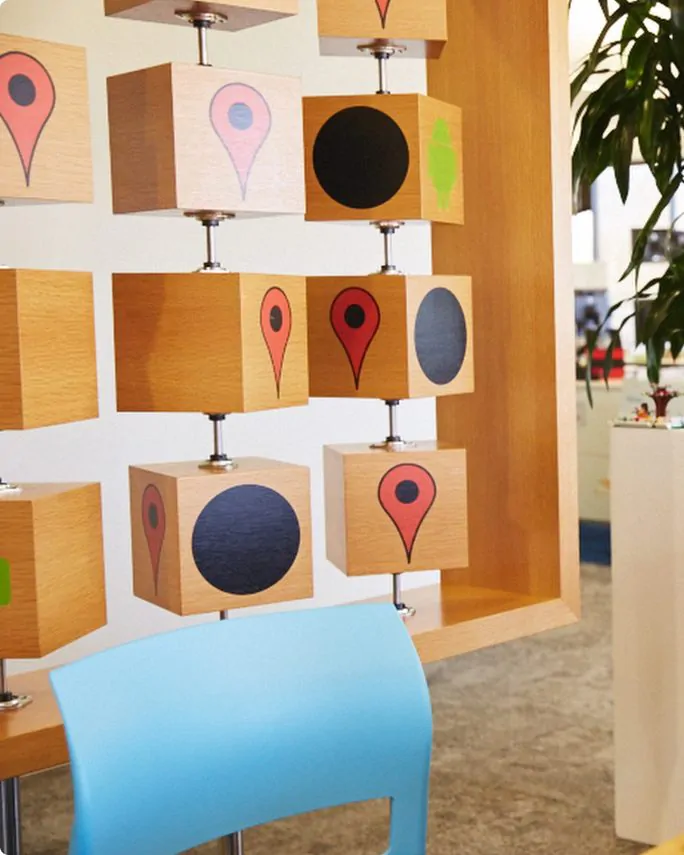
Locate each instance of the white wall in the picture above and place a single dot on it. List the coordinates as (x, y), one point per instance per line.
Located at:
(90, 238)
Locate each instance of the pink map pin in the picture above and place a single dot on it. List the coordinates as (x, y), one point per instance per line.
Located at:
(241, 118)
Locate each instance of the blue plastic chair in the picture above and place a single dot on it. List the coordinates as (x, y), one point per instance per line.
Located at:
(193, 735)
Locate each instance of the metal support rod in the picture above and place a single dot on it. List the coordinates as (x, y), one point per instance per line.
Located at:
(202, 28)
(383, 78)
(388, 228)
(210, 227)
(233, 844)
(4, 689)
(404, 610)
(393, 409)
(218, 459)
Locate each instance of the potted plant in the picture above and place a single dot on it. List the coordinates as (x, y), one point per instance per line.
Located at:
(639, 105)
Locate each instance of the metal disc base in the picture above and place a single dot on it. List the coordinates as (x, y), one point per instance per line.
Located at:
(6, 489)
(209, 216)
(212, 268)
(382, 49)
(209, 19)
(223, 464)
(393, 444)
(11, 702)
(404, 611)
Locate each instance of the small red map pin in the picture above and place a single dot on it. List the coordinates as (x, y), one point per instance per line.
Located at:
(27, 100)
(355, 317)
(407, 493)
(154, 524)
(383, 9)
(276, 327)
(241, 118)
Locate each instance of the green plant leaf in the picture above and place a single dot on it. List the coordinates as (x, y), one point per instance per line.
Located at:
(640, 243)
(636, 61)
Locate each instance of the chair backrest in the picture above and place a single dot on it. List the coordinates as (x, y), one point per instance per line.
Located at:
(185, 737)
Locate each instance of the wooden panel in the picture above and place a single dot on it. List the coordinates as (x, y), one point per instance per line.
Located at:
(200, 342)
(518, 427)
(402, 511)
(240, 14)
(235, 539)
(51, 537)
(419, 25)
(45, 152)
(11, 397)
(441, 161)
(206, 139)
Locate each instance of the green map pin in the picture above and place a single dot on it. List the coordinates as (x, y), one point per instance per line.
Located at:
(5, 582)
(442, 162)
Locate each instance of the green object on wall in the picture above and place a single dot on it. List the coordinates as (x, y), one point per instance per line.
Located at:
(443, 165)
(5, 582)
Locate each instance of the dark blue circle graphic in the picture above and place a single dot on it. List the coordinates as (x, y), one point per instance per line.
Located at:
(276, 319)
(355, 317)
(246, 539)
(22, 90)
(241, 116)
(407, 492)
(441, 336)
(153, 516)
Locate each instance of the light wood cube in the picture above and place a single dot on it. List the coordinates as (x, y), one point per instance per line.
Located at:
(45, 153)
(239, 14)
(205, 139)
(393, 512)
(383, 157)
(210, 342)
(390, 337)
(52, 588)
(206, 541)
(48, 372)
(419, 25)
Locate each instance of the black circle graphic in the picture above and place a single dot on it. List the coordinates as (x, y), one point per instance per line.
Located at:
(355, 316)
(441, 336)
(407, 492)
(153, 515)
(361, 157)
(276, 318)
(22, 90)
(246, 539)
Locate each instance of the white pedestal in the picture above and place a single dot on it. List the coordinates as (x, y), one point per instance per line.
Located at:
(647, 511)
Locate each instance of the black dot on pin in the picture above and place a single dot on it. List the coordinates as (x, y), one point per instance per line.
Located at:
(407, 492)
(441, 336)
(355, 316)
(153, 515)
(276, 319)
(361, 157)
(246, 539)
(22, 90)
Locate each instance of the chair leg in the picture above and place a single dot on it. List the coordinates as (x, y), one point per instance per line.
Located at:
(234, 844)
(408, 824)
(10, 817)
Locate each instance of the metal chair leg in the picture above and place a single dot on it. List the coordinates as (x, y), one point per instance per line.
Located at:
(234, 844)
(10, 817)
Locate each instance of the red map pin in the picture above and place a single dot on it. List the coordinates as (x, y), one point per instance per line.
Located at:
(383, 9)
(242, 120)
(154, 524)
(407, 493)
(276, 327)
(355, 317)
(27, 100)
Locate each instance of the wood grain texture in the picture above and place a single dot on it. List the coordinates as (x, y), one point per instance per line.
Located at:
(194, 343)
(390, 369)
(186, 490)
(61, 169)
(419, 25)
(51, 535)
(363, 540)
(518, 427)
(416, 200)
(48, 371)
(167, 155)
(240, 14)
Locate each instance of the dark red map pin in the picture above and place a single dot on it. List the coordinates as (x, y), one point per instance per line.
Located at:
(27, 100)
(276, 327)
(154, 524)
(407, 493)
(383, 9)
(355, 317)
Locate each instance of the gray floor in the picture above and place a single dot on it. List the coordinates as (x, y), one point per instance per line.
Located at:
(522, 762)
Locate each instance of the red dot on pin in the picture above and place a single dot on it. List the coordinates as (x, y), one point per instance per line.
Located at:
(355, 318)
(27, 101)
(407, 493)
(154, 525)
(276, 327)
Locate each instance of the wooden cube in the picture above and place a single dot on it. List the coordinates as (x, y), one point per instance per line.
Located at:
(390, 337)
(205, 139)
(48, 372)
(419, 25)
(210, 342)
(206, 541)
(238, 14)
(393, 512)
(52, 587)
(383, 157)
(45, 153)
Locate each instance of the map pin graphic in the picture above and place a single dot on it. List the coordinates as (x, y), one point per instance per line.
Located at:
(27, 100)
(154, 524)
(355, 317)
(383, 9)
(276, 327)
(407, 493)
(241, 118)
